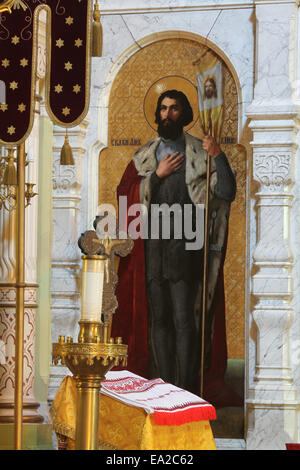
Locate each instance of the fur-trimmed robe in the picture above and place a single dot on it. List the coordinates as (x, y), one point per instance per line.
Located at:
(131, 317)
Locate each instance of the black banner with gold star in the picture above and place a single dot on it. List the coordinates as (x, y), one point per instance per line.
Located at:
(68, 64)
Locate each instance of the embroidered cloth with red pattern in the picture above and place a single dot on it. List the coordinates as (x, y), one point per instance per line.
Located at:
(170, 405)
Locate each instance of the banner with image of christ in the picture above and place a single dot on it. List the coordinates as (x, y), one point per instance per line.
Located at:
(210, 95)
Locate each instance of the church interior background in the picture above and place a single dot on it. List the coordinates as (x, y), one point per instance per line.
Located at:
(258, 42)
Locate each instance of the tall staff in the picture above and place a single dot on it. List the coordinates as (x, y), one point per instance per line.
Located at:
(205, 265)
(210, 100)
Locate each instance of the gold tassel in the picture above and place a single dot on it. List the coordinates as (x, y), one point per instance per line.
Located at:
(97, 33)
(10, 174)
(66, 154)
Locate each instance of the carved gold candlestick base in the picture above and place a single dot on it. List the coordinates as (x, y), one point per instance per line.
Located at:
(89, 362)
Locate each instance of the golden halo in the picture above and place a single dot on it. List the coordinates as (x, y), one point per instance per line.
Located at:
(209, 77)
(170, 82)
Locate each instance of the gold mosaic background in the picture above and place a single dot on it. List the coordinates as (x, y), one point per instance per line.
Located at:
(127, 121)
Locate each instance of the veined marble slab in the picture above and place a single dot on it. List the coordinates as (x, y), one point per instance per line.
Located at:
(138, 6)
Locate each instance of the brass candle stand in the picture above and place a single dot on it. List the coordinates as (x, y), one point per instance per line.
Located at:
(89, 360)
(96, 352)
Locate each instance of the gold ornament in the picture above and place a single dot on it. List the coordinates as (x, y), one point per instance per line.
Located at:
(97, 33)
(10, 175)
(66, 155)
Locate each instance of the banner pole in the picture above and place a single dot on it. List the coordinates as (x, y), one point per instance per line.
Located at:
(20, 285)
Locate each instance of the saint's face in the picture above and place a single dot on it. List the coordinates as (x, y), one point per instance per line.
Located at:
(209, 88)
(170, 110)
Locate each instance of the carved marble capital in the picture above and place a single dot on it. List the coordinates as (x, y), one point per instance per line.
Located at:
(64, 177)
(272, 169)
(67, 179)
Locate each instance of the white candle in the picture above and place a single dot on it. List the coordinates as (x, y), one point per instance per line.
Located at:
(92, 288)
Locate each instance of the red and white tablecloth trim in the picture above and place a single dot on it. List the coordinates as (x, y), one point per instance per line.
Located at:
(170, 405)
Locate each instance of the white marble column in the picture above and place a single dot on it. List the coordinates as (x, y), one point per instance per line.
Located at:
(66, 256)
(272, 398)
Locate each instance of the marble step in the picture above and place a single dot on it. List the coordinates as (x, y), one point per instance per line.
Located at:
(230, 444)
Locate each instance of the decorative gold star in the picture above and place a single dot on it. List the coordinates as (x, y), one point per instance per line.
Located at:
(21, 107)
(69, 20)
(76, 88)
(3, 107)
(66, 111)
(60, 43)
(24, 62)
(5, 63)
(58, 88)
(15, 40)
(68, 66)
(78, 42)
(11, 130)
(13, 85)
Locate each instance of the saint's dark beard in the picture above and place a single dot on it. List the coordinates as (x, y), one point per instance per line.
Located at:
(170, 131)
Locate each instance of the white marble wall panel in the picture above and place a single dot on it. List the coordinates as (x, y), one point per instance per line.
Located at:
(95, 140)
(170, 6)
(273, 75)
(66, 256)
(295, 336)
